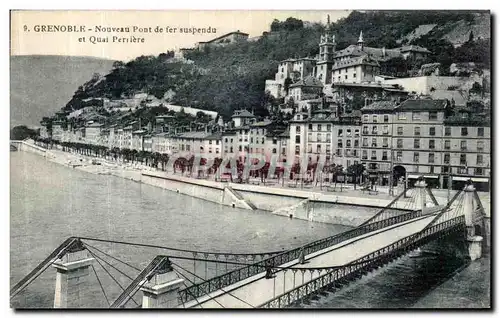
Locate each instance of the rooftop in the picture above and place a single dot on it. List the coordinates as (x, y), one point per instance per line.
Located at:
(380, 105)
(309, 81)
(423, 104)
(242, 113)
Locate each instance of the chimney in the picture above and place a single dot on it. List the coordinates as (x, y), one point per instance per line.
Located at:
(383, 51)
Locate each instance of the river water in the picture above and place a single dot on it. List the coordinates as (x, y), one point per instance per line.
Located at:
(50, 202)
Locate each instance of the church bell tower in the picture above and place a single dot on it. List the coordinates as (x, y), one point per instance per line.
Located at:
(326, 55)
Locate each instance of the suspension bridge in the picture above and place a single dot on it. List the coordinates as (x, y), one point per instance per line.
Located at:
(181, 278)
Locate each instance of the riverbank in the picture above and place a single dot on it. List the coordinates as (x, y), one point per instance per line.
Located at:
(334, 204)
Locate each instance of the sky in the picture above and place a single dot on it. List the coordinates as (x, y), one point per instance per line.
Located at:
(27, 38)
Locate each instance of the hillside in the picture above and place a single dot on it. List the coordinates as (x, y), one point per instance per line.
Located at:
(233, 77)
(41, 85)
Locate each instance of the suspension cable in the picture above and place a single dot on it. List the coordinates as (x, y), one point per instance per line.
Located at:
(97, 259)
(100, 284)
(110, 265)
(176, 249)
(111, 256)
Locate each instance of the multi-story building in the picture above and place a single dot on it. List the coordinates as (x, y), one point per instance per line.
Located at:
(424, 138)
(466, 148)
(197, 142)
(228, 38)
(346, 139)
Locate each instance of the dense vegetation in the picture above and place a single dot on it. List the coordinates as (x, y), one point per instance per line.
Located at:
(22, 132)
(233, 77)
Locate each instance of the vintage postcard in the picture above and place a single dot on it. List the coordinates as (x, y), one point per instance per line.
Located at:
(250, 159)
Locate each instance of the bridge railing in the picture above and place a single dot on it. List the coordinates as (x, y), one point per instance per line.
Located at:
(232, 277)
(366, 263)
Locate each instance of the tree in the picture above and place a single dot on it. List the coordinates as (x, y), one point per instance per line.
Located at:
(356, 170)
(22, 132)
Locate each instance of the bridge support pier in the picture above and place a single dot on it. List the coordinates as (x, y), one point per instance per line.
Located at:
(474, 242)
(422, 193)
(162, 290)
(72, 270)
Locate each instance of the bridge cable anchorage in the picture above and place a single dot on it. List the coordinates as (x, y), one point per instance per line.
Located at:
(178, 249)
(115, 258)
(100, 284)
(112, 266)
(109, 274)
(144, 276)
(226, 292)
(56, 254)
(187, 288)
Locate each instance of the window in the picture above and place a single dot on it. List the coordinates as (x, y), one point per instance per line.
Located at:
(374, 142)
(400, 130)
(275, 141)
(431, 169)
(463, 145)
(328, 137)
(416, 156)
(297, 150)
(386, 118)
(365, 130)
(319, 127)
(318, 148)
(447, 131)
(346, 76)
(309, 148)
(480, 132)
(339, 144)
(432, 144)
(432, 131)
(416, 116)
(231, 149)
(365, 142)
(479, 159)
(263, 140)
(328, 127)
(433, 115)
(339, 152)
(446, 158)
(239, 147)
(328, 149)
(297, 130)
(447, 144)
(480, 146)
(348, 143)
(464, 131)
(225, 140)
(251, 140)
(417, 131)
(348, 133)
(274, 150)
(356, 133)
(478, 171)
(365, 118)
(297, 139)
(402, 116)
(399, 143)
(385, 142)
(431, 158)
(399, 156)
(320, 137)
(340, 133)
(416, 143)
(356, 143)
(463, 159)
(374, 130)
(384, 155)
(374, 155)
(364, 154)
(375, 118)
